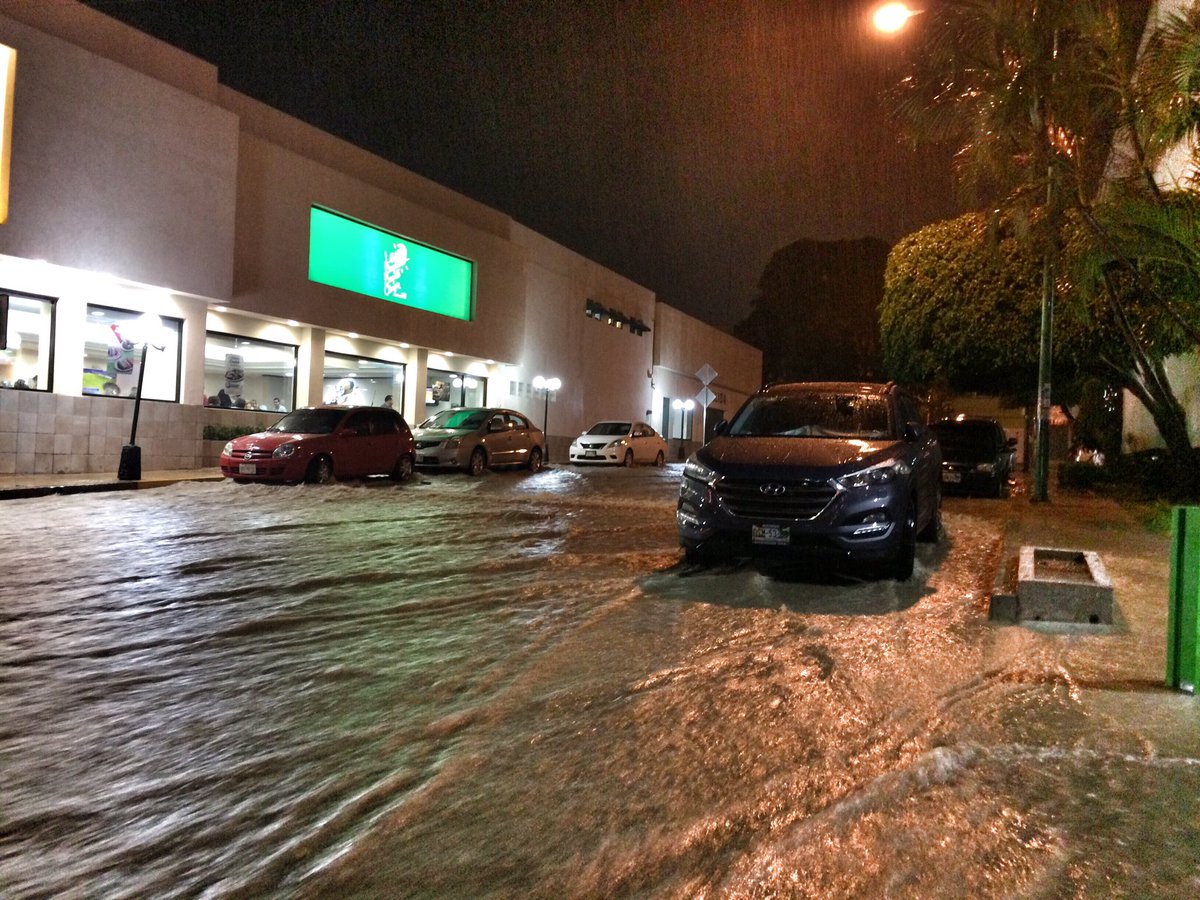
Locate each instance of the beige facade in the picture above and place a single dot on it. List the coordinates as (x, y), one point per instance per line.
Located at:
(140, 184)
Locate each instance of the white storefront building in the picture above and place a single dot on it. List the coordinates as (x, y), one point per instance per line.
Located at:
(285, 267)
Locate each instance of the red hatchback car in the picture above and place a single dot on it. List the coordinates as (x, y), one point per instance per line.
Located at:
(321, 443)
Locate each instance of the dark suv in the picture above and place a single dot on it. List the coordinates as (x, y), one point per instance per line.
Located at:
(977, 456)
(846, 470)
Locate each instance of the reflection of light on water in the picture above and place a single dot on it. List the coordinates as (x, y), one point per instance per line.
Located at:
(550, 481)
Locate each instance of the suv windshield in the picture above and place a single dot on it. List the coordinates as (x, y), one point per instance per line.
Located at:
(309, 421)
(966, 435)
(810, 414)
(457, 418)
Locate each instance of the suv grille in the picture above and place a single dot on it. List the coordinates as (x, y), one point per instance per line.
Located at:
(798, 499)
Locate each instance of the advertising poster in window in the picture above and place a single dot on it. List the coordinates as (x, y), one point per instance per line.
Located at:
(235, 376)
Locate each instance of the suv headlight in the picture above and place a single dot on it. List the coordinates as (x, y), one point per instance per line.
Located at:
(283, 451)
(697, 470)
(883, 473)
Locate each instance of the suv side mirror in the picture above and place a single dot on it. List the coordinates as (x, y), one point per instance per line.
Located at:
(910, 432)
(721, 428)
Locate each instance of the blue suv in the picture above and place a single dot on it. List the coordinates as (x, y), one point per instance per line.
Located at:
(847, 471)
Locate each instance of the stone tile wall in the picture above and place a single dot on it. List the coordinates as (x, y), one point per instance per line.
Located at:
(42, 433)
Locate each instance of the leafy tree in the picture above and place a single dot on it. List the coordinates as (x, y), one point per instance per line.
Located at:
(1032, 92)
(961, 305)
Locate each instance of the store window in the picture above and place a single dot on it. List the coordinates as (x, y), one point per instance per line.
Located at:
(28, 325)
(244, 373)
(112, 361)
(444, 390)
(354, 381)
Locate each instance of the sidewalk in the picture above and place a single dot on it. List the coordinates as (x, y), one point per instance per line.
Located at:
(17, 487)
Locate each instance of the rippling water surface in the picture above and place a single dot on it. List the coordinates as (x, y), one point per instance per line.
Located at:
(511, 686)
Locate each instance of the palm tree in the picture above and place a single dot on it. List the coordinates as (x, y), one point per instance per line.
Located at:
(1035, 95)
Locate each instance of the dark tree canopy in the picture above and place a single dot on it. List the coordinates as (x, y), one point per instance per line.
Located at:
(816, 313)
(962, 306)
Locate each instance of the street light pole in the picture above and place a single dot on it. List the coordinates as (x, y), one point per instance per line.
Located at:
(546, 385)
(130, 468)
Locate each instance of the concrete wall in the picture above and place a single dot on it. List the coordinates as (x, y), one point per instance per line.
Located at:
(604, 370)
(277, 186)
(115, 172)
(43, 433)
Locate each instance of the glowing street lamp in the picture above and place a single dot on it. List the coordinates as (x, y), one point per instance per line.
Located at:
(145, 330)
(892, 17)
(681, 406)
(546, 385)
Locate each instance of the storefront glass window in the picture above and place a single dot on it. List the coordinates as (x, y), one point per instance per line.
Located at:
(444, 390)
(249, 374)
(113, 360)
(354, 381)
(29, 330)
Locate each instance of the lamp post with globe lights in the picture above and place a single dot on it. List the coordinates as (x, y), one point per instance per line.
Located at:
(546, 385)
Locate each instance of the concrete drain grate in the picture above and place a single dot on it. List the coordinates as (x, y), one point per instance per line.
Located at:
(1056, 585)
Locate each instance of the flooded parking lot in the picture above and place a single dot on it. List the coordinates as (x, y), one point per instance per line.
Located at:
(513, 686)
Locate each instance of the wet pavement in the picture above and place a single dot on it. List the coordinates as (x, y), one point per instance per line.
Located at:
(513, 686)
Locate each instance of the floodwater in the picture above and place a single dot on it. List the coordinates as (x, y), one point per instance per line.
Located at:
(511, 686)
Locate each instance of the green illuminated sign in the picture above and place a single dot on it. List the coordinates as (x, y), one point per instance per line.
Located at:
(347, 254)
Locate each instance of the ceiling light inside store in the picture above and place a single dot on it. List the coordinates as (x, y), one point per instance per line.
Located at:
(352, 334)
(221, 309)
(293, 322)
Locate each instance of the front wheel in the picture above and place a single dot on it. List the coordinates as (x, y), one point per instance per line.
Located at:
(320, 470)
(535, 460)
(478, 462)
(906, 554)
(932, 532)
(404, 468)
(660, 460)
(628, 461)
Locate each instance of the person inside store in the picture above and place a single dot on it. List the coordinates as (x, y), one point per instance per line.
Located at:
(387, 401)
(224, 399)
(278, 407)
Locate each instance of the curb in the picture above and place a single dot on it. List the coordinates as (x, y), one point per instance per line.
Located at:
(95, 487)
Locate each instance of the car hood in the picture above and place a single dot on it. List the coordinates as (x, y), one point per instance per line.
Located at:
(440, 434)
(267, 440)
(808, 457)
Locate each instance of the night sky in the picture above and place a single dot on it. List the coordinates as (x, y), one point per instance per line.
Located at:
(677, 143)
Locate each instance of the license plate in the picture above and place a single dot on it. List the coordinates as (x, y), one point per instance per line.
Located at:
(247, 469)
(589, 453)
(775, 535)
(952, 476)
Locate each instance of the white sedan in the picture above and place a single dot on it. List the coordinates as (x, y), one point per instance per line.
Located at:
(619, 443)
